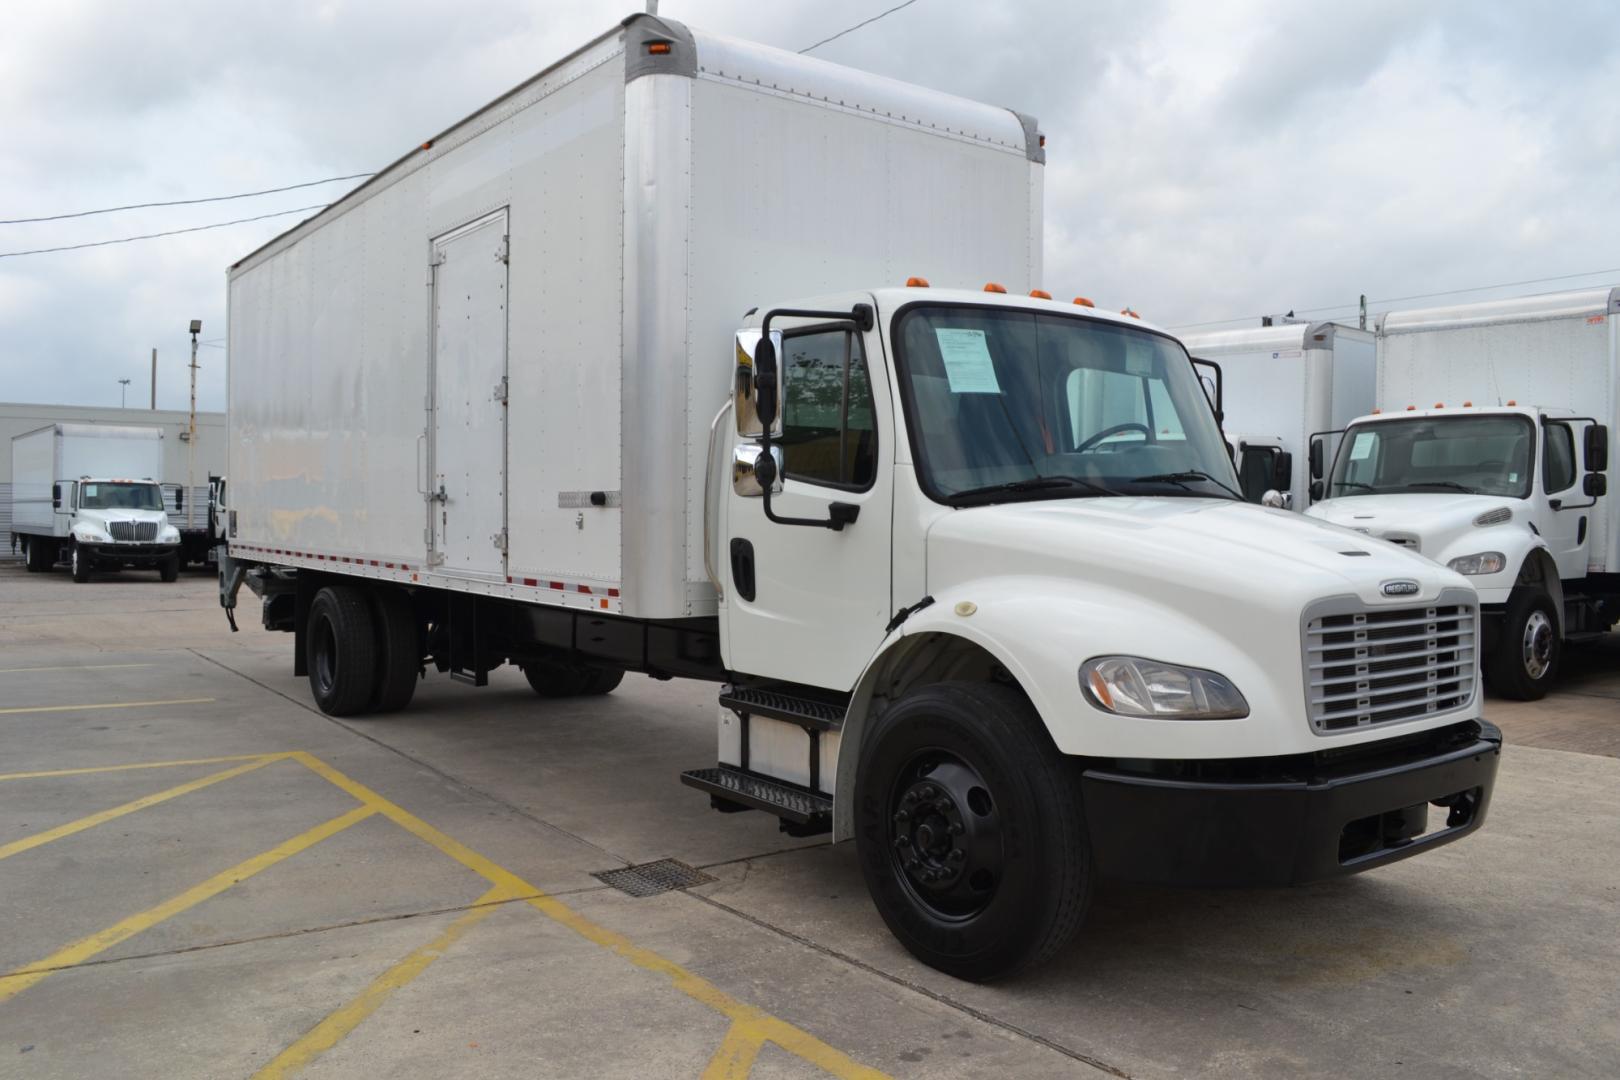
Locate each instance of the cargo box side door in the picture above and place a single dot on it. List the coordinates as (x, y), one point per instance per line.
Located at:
(467, 411)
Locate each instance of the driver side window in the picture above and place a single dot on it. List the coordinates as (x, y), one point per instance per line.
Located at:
(1558, 464)
(829, 433)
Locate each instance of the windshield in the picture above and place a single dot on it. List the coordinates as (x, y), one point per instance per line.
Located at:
(105, 496)
(1007, 404)
(1486, 455)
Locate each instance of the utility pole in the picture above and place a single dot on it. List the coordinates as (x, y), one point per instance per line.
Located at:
(1363, 311)
(191, 430)
(154, 378)
(123, 389)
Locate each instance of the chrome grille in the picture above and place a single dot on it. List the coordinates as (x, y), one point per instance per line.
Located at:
(1369, 667)
(140, 532)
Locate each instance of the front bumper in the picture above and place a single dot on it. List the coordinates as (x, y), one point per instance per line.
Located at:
(1289, 821)
(128, 554)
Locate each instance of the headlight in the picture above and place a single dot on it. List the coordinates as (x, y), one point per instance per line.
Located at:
(169, 533)
(1500, 516)
(1134, 686)
(86, 535)
(1485, 562)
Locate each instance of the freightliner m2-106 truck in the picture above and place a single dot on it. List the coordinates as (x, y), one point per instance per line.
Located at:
(1489, 456)
(87, 493)
(598, 381)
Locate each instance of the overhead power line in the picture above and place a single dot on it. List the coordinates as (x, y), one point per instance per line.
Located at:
(857, 26)
(186, 202)
(153, 236)
(1403, 299)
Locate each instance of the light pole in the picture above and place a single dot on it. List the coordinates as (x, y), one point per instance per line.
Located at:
(191, 429)
(123, 388)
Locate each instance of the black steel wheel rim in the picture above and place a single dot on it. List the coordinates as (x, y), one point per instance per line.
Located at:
(944, 835)
(325, 665)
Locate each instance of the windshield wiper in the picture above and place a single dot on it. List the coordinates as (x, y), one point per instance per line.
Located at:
(1181, 478)
(1354, 484)
(1451, 484)
(1034, 483)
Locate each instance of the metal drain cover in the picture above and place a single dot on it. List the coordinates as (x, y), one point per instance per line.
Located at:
(650, 879)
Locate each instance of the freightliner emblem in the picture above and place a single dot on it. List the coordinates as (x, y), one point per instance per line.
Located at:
(1400, 588)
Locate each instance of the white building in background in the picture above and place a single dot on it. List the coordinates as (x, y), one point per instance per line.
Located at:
(16, 419)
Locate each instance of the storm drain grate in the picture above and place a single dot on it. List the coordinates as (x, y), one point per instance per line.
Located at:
(650, 879)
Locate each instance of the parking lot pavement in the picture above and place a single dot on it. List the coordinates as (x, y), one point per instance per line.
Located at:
(202, 876)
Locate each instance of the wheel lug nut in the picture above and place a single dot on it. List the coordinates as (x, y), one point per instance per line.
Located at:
(958, 855)
(956, 828)
(902, 841)
(902, 815)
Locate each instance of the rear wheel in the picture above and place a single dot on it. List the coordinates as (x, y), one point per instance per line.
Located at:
(35, 552)
(399, 649)
(1525, 660)
(169, 569)
(970, 831)
(80, 564)
(340, 650)
(563, 678)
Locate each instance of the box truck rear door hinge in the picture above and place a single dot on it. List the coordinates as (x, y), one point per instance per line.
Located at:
(500, 390)
(504, 252)
(500, 540)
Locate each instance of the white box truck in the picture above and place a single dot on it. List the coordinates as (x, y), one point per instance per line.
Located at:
(86, 493)
(598, 381)
(1489, 456)
(1281, 385)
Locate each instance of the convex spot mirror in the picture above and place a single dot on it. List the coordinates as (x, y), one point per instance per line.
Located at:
(1316, 460)
(758, 384)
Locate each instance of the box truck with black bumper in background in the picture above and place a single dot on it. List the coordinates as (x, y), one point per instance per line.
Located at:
(965, 563)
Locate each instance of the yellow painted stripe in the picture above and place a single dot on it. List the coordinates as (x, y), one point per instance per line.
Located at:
(330, 1031)
(735, 1058)
(276, 756)
(798, 1042)
(71, 667)
(106, 705)
(38, 839)
(88, 947)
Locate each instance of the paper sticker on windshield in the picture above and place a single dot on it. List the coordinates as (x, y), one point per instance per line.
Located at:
(967, 361)
(1362, 448)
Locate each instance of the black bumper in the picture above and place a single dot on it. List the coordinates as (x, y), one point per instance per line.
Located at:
(1292, 820)
(128, 554)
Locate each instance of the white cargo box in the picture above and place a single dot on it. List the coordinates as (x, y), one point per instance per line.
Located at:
(494, 365)
(57, 452)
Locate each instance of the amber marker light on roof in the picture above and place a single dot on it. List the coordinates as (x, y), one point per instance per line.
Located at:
(1040, 294)
(1375, 412)
(1468, 404)
(1439, 404)
(991, 286)
(1084, 302)
(1512, 402)
(1411, 408)
(916, 283)
(1128, 311)
(658, 48)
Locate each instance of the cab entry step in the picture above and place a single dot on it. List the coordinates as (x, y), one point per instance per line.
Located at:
(808, 712)
(810, 811)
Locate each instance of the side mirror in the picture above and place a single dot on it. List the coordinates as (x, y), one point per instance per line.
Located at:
(1596, 451)
(179, 497)
(752, 471)
(1316, 461)
(758, 383)
(1595, 485)
(56, 496)
(1316, 490)
(1282, 475)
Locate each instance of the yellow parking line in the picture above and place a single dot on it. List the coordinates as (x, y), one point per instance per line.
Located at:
(330, 1031)
(756, 1022)
(85, 948)
(106, 705)
(71, 667)
(276, 755)
(735, 1058)
(90, 822)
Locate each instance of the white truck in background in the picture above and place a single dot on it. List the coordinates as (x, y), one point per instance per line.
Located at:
(1489, 456)
(1281, 385)
(87, 493)
(965, 563)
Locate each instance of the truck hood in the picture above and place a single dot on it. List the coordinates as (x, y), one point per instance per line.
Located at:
(100, 519)
(1202, 557)
(1430, 518)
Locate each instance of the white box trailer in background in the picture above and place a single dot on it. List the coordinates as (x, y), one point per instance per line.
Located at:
(1489, 456)
(89, 493)
(1281, 385)
(473, 421)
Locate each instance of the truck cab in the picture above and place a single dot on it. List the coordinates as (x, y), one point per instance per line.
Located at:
(1504, 495)
(112, 523)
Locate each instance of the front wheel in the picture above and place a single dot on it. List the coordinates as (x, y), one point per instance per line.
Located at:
(1528, 649)
(80, 562)
(970, 831)
(169, 569)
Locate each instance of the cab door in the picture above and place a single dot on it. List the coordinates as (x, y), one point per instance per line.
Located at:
(1568, 522)
(808, 604)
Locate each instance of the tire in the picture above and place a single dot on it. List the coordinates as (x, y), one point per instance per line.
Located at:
(169, 569)
(34, 556)
(1524, 662)
(79, 564)
(557, 678)
(399, 649)
(340, 650)
(978, 759)
(603, 680)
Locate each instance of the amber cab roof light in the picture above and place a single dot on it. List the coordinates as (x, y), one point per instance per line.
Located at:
(1084, 302)
(916, 283)
(1128, 311)
(1040, 294)
(991, 286)
(658, 48)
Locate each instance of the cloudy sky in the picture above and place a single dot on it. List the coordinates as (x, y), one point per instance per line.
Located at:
(1205, 161)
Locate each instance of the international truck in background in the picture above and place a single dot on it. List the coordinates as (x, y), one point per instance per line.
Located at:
(1281, 385)
(1489, 456)
(965, 564)
(88, 493)
(190, 512)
